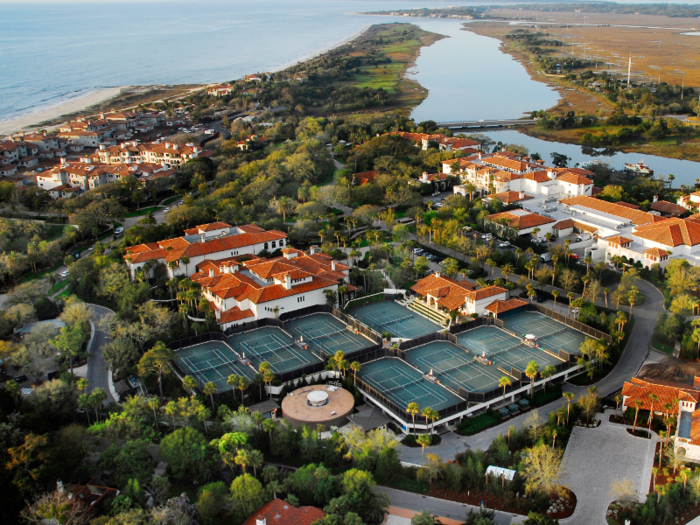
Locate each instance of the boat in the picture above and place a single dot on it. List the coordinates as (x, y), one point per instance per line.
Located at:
(640, 168)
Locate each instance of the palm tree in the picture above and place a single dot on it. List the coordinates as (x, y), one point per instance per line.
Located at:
(570, 295)
(518, 253)
(638, 404)
(652, 398)
(232, 381)
(555, 294)
(355, 366)
(569, 396)
(283, 205)
(424, 441)
(605, 293)
(548, 236)
(507, 269)
(531, 372)
(504, 383)
(185, 260)
(243, 384)
(210, 390)
(548, 372)
(618, 400)
(189, 383)
(412, 409)
(632, 297)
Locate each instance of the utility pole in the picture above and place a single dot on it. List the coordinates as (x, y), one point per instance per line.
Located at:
(682, 87)
(629, 71)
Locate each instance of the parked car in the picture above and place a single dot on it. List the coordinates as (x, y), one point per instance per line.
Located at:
(435, 194)
(546, 257)
(503, 244)
(575, 256)
(540, 298)
(418, 251)
(119, 230)
(166, 210)
(578, 239)
(91, 248)
(64, 274)
(487, 237)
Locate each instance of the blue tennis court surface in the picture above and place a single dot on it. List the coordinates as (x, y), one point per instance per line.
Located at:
(213, 361)
(551, 334)
(275, 346)
(326, 334)
(402, 384)
(399, 321)
(454, 366)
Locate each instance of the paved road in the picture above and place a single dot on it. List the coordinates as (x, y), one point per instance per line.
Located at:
(441, 507)
(97, 367)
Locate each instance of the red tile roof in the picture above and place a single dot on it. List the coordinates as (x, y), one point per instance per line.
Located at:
(365, 177)
(574, 176)
(627, 205)
(562, 225)
(671, 232)
(451, 294)
(521, 222)
(619, 240)
(212, 226)
(503, 162)
(537, 176)
(635, 216)
(508, 197)
(656, 252)
(499, 307)
(668, 208)
(277, 512)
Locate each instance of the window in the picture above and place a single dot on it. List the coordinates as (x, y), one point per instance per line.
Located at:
(274, 244)
(281, 243)
(301, 299)
(265, 246)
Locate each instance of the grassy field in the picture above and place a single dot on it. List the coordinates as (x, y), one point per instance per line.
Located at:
(401, 44)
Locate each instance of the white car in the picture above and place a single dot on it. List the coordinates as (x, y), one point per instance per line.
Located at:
(487, 237)
(436, 194)
(91, 248)
(119, 230)
(504, 244)
(167, 209)
(64, 274)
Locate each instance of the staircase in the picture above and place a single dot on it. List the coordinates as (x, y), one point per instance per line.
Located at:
(424, 311)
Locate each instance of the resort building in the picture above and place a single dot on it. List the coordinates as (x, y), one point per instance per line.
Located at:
(439, 292)
(243, 289)
(524, 222)
(166, 153)
(208, 241)
(220, 91)
(506, 171)
(444, 142)
(67, 178)
(683, 395)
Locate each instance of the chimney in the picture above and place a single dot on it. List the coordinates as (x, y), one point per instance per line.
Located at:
(63, 163)
(333, 265)
(260, 521)
(437, 274)
(479, 154)
(503, 150)
(211, 272)
(656, 198)
(202, 237)
(551, 174)
(102, 147)
(312, 250)
(287, 282)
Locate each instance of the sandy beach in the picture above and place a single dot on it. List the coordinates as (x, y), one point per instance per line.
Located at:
(69, 106)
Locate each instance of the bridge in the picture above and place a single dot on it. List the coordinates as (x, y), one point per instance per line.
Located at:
(480, 124)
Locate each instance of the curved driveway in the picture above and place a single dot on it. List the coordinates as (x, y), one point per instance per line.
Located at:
(98, 374)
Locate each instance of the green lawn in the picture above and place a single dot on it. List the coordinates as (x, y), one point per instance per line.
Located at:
(170, 200)
(662, 347)
(42, 274)
(142, 211)
(57, 287)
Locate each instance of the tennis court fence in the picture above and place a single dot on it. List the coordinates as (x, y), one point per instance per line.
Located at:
(326, 309)
(572, 323)
(428, 338)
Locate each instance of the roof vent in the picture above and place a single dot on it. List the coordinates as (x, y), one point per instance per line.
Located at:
(260, 521)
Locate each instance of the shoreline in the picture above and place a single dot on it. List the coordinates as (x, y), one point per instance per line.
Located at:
(33, 119)
(100, 96)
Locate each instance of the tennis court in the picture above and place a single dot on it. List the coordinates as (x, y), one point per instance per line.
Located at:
(551, 334)
(391, 317)
(402, 384)
(454, 367)
(212, 362)
(503, 349)
(275, 346)
(326, 334)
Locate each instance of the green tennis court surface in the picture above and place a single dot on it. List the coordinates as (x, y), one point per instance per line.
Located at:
(551, 334)
(212, 361)
(402, 384)
(275, 346)
(391, 317)
(454, 367)
(326, 335)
